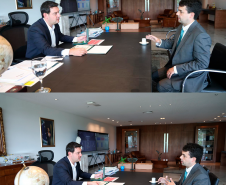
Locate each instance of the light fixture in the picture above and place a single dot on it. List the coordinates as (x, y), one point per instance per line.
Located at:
(204, 121)
(169, 104)
(215, 118)
(120, 125)
(131, 124)
(162, 118)
(219, 120)
(148, 112)
(140, 106)
(160, 123)
(108, 118)
(56, 99)
(112, 120)
(155, 123)
(150, 106)
(92, 103)
(171, 122)
(117, 121)
(218, 116)
(159, 105)
(223, 113)
(141, 121)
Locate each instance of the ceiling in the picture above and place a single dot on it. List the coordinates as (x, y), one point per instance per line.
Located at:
(128, 108)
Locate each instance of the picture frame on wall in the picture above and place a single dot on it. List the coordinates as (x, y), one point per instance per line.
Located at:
(47, 132)
(24, 4)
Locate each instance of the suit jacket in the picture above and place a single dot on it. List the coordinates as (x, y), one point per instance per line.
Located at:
(193, 53)
(197, 176)
(39, 40)
(63, 175)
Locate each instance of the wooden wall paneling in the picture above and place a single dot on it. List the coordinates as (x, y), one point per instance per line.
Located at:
(119, 138)
(139, 4)
(144, 140)
(128, 8)
(159, 140)
(174, 143)
(151, 153)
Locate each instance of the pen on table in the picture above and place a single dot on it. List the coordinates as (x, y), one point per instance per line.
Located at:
(53, 66)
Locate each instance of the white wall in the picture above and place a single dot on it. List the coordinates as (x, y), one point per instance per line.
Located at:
(22, 127)
(221, 4)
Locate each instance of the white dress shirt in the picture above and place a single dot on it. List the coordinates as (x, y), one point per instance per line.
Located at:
(75, 172)
(53, 39)
(188, 170)
(185, 28)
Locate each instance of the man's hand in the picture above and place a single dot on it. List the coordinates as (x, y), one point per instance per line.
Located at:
(163, 180)
(170, 183)
(99, 175)
(77, 51)
(170, 72)
(153, 38)
(82, 38)
(93, 183)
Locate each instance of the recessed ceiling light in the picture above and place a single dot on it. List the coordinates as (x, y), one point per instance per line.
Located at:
(162, 118)
(108, 118)
(204, 121)
(120, 125)
(159, 123)
(56, 99)
(223, 113)
(218, 116)
(169, 104)
(219, 120)
(150, 106)
(112, 120)
(117, 121)
(159, 105)
(165, 122)
(215, 118)
(92, 103)
(131, 124)
(140, 106)
(148, 112)
(198, 129)
(171, 122)
(141, 121)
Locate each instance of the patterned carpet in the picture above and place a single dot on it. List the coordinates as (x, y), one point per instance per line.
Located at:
(158, 59)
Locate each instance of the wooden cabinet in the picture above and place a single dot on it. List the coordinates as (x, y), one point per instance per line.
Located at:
(96, 18)
(8, 172)
(206, 136)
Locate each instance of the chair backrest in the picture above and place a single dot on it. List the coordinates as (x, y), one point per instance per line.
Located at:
(16, 33)
(217, 61)
(45, 161)
(207, 170)
(213, 179)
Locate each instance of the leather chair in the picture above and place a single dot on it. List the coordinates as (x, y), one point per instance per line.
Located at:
(217, 70)
(141, 158)
(171, 21)
(167, 13)
(16, 33)
(207, 170)
(213, 179)
(45, 161)
(120, 14)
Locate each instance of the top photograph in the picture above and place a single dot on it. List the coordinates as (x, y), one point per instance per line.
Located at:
(113, 46)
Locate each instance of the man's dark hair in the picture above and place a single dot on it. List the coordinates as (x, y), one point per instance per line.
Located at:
(71, 147)
(192, 6)
(195, 150)
(45, 7)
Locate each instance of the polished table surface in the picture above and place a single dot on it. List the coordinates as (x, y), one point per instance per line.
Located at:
(136, 178)
(125, 68)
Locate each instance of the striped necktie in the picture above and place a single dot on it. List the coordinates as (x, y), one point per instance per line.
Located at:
(185, 176)
(180, 38)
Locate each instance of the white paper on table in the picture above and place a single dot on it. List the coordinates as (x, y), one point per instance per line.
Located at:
(53, 58)
(116, 183)
(99, 50)
(5, 87)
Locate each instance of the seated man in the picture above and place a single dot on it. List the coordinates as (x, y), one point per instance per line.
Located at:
(44, 35)
(190, 52)
(194, 174)
(67, 170)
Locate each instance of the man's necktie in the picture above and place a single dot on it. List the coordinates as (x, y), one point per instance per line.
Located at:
(185, 176)
(180, 38)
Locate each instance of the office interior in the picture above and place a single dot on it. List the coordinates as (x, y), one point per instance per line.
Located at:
(153, 115)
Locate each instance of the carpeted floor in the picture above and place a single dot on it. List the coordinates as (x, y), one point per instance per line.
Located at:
(159, 59)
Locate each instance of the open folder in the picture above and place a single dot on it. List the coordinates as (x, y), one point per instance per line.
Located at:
(95, 49)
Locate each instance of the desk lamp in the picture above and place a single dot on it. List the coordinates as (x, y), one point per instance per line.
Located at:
(117, 19)
(132, 160)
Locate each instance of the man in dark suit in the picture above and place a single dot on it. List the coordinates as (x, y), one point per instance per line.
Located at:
(67, 170)
(194, 174)
(190, 52)
(44, 35)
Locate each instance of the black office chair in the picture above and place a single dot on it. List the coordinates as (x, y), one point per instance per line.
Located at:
(45, 161)
(217, 69)
(213, 179)
(207, 170)
(16, 33)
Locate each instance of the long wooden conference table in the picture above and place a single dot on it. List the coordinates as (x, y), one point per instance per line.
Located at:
(125, 68)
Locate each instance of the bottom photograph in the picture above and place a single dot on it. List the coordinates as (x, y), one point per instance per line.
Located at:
(113, 139)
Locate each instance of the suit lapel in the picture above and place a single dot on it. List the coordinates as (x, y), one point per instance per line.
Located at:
(46, 31)
(69, 166)
(186, 36)
(190, 174)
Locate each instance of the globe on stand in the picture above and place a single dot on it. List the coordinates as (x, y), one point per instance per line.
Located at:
(31, 175)
(6, 55)
(132, 160)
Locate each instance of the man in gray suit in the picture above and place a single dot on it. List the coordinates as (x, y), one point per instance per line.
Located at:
(194, 174)
(190, 52)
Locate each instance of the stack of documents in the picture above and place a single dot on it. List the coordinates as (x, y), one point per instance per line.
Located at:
(109, 170)
(93, 32)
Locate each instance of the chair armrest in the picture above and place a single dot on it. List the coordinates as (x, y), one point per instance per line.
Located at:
(202, 70)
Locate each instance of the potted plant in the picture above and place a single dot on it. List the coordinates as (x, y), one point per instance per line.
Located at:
(159, 155)
(141, 17)
(107, 20)
(122, 161)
